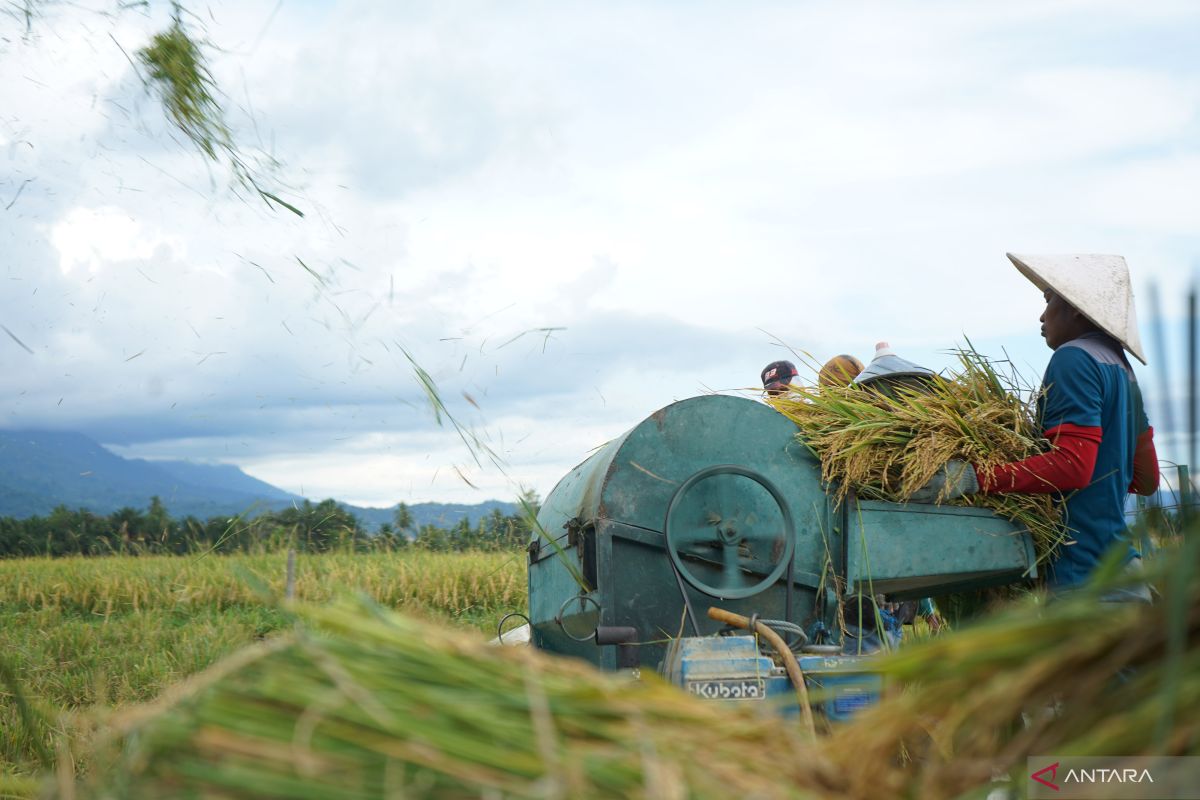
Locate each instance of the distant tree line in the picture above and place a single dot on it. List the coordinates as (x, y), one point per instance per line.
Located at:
(308, 527)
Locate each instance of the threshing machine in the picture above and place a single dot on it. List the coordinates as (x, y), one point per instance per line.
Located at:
(713, 501)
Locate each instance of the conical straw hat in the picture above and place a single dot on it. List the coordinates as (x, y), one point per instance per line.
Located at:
(1097, 286)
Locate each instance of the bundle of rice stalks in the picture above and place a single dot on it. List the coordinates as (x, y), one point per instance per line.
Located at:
(361, 703)
(886, 445)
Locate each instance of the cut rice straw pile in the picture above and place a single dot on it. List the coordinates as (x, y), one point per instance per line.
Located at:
(360, 703)
(886, 446)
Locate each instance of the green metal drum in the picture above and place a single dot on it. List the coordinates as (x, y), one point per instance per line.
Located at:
(713, 500)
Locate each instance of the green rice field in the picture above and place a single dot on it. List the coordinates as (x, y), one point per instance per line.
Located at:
(85, 636)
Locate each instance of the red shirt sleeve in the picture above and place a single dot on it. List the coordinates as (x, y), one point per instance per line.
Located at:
(1145, 465)
(1067, 467)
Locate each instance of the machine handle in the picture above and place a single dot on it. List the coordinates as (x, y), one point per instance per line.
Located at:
(729, 549)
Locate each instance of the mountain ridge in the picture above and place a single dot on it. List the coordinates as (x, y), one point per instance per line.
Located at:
(40, 470)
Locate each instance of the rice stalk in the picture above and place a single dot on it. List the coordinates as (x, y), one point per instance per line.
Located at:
(178, 68)
(886, 445)
(176, 65)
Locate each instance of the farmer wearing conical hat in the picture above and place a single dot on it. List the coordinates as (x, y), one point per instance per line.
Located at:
(1091, 411)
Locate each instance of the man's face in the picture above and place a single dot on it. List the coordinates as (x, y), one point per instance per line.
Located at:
(1060, 321)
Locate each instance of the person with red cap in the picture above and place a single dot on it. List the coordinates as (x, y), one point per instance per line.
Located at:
(1091, 410)
(777, 376)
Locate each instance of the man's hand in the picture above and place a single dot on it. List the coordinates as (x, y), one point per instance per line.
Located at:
(951, 481)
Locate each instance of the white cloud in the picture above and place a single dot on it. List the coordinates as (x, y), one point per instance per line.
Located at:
(673, 186)
(93, 237)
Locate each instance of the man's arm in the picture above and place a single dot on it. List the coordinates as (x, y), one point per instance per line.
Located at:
(1072, 413)
(1145, 465)
(1067, 467)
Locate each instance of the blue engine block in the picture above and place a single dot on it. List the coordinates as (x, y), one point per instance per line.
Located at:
(732, 669)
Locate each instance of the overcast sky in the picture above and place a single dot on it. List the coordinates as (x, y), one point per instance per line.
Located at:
(681, 191)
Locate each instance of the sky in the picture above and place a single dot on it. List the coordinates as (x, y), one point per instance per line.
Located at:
(569, 215)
